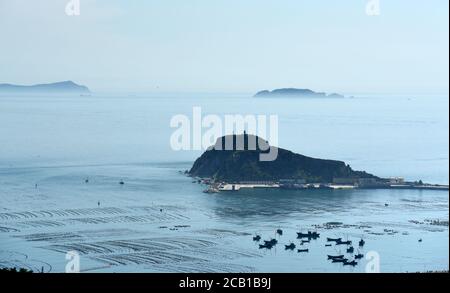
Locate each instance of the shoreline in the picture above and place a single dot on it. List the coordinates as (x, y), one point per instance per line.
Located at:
(216, 187)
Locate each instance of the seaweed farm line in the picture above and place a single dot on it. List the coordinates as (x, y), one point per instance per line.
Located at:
(156, 220)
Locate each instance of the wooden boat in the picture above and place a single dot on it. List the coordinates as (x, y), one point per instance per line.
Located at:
(348, 242)
(335, 256)
(342, 260)
(257, 238)
(271, 242)
(290, 246)
(267, 246)
(334, 239)
(309, 235)
(350, 263)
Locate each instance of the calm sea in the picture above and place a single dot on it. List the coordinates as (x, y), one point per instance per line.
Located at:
(160, 221)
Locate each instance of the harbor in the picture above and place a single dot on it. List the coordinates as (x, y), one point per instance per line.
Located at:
(339, 184)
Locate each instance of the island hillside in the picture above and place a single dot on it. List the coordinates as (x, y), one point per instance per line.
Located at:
(293, 92)
(236, 165)
(57, 87)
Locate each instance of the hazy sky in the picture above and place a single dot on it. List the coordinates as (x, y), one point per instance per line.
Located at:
(228, 45)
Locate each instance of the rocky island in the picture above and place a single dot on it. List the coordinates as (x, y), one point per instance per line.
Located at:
(293, 92)
(68, 87)
(239, 166)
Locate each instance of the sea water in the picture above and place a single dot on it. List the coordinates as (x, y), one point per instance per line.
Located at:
(159, 220)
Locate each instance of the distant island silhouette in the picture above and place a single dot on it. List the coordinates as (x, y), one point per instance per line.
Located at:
(57, 87)
(294, 92)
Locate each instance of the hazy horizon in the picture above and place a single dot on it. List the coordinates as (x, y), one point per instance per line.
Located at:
(228, 46)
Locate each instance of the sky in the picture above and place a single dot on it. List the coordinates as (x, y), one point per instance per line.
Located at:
(228, 46)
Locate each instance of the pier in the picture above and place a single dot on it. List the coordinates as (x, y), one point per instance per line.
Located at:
(215, 187)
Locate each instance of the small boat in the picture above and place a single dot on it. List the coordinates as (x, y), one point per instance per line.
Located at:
(121, 182)
(348, 242)
(309, 235)
(290, 246)
(334, 239)
(352, 263)
(359, 256)
(361, 243)
(305, 241)
(350, 249)
(279, 232)
(343, 260)
(302, 235)
(271, 242)
(336, 256)
(420, 240)
(327, 245)
(314, 235)
(267, 246)
(302, 250)
(257, 238)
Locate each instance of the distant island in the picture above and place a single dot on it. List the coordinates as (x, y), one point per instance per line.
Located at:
(235, 168)
(57, 87)
(293, 92)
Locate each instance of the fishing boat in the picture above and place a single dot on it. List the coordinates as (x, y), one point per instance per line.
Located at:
(302, 235)
(335, 256)
(267, 246)
(309, 235)
(334, 239)
(359, 256)
(290, 246)
(350, 263)
(342, 260)
(271, 242)
(348, 242)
